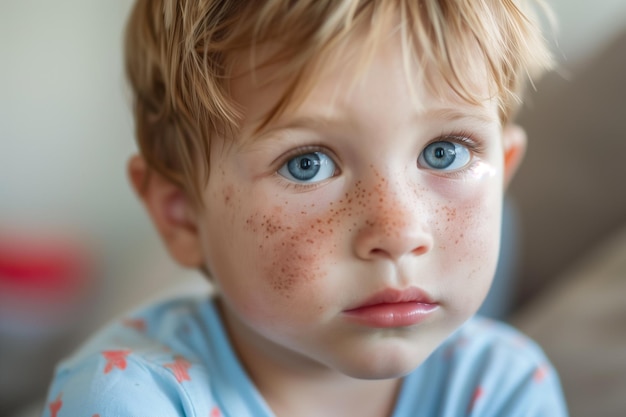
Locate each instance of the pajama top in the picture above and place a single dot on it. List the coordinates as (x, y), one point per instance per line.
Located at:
(174, 359)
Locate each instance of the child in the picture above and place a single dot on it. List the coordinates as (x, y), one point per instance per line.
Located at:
(336, 167)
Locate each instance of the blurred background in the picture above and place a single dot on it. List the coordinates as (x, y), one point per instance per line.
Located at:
(76, 249)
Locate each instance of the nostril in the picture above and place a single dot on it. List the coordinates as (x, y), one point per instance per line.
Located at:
(378, 252)
(420, 250)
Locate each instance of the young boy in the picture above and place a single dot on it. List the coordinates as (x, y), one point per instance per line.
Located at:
(336, 168)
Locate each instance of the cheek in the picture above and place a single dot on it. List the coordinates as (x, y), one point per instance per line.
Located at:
(296, 245)
(262, 249)
(289, 252)
(293, 246)
(469, 230)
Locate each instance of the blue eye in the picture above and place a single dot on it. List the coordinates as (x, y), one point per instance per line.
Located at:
(308, 167)
(445, 155)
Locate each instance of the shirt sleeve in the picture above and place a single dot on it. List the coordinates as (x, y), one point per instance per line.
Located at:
(115, 383)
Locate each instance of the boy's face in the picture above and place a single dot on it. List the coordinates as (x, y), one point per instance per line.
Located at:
(355, 198)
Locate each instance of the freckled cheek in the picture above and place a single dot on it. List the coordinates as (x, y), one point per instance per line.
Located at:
(292, 252)
(469, 229)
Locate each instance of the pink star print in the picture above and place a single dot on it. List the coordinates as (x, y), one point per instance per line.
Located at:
(115, 359)
(478, 393)
(540, 373)
(55, 406)
(215, 412)
(180, 367)
(137, 324)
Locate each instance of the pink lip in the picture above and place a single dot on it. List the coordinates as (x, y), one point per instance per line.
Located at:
(393, 308)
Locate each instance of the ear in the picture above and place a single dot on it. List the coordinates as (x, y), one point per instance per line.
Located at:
(514, 140)
(171, 211)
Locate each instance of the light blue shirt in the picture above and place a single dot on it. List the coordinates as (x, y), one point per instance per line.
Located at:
(174, 359)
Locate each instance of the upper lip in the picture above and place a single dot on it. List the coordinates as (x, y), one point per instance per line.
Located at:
(393, 296)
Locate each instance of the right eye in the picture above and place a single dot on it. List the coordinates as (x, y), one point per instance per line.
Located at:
(308, 168)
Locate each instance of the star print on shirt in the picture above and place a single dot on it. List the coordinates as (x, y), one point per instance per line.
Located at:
(540, 373)
(478, 393)
(137, 324)
(115, 359)
(179, 367)
(215, 412)
(55, 406)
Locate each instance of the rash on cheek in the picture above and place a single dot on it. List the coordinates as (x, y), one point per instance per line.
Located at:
(289, 252)
(296, 247)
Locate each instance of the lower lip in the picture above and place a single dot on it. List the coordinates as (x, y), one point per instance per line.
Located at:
(392, 314)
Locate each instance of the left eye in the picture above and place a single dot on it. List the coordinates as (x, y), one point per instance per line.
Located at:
(308, 167)
(445, 155)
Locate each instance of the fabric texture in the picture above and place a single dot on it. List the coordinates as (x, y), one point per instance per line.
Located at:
(174, 359)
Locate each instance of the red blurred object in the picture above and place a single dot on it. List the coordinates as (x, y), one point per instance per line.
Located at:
(46, 297)
(46, 266)
(43, 279)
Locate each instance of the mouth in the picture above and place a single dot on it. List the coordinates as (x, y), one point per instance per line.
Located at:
(393, 308)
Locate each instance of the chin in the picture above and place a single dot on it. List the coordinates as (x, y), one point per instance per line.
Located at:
(384, 363)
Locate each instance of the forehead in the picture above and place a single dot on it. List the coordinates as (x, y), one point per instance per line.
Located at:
(350, 77)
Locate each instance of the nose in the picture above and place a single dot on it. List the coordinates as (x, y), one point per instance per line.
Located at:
(394, 225)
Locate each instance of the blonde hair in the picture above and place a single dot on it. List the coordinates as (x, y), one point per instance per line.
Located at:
(178, 59)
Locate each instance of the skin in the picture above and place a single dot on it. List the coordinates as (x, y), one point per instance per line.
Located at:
(288, 258)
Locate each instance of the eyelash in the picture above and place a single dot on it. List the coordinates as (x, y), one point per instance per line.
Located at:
(476, 146)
